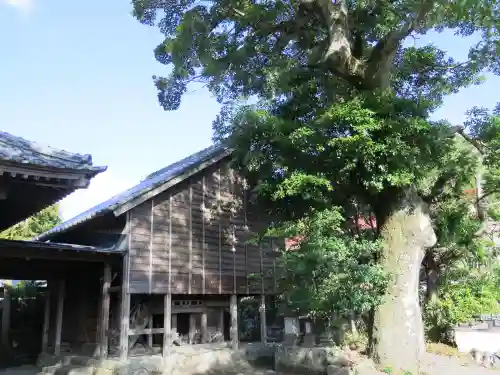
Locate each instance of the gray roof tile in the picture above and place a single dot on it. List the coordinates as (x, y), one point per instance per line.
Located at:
(152, 181)
(19, 150)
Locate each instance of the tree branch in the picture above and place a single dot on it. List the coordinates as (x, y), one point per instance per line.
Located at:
(380, 61)
(338, 54)
(474, 142)
(438, 188)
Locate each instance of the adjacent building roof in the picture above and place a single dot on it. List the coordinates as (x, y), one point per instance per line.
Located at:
(34, 176)
(160, 179)
(19, 150)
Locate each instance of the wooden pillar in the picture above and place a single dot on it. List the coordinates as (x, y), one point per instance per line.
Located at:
(46, 319)
(263, 320)
(174, 322)
(167, 324)
(124, 323)
(150, 335)
(204, 327)
(61, 290)
(104, 314)
(233, 309)
(192, 327)
(6, 307)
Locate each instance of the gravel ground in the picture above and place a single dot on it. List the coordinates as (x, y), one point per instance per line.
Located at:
(440, 365)
(433, 365)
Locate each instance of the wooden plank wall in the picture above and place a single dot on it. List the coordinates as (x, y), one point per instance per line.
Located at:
(192, 239)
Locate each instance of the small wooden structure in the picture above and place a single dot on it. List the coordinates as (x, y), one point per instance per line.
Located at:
(183, 233)
(33, 177)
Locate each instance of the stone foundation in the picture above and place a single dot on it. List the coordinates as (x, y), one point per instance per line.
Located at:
(206, 359)
(311, 361)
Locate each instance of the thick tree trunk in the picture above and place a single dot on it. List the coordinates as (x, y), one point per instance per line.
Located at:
(398, 335)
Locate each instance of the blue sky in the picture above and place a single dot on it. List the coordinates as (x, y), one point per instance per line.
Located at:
(77, 75)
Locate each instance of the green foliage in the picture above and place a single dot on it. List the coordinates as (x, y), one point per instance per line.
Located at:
(464, 294)
(340, 116)
(483, 126)
(328, 127)
(330, 272)
(34, 225)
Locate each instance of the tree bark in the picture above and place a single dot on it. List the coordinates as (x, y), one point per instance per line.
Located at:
(398, 335)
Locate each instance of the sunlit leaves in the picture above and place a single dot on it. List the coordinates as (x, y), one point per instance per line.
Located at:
(331, 272)
(34, 226)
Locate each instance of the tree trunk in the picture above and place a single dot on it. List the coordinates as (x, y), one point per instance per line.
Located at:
(432, 277)
(398, 335)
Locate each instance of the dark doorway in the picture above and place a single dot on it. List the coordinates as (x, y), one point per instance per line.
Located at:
(227, 326)
(183, 324)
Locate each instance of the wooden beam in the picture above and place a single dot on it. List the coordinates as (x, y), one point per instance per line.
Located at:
(125, 298)
(192, 328)
(151, 243)
(174, 322)
(150, 334)
(204, 327)
(46, 319)
(204, 243)
(220, 228)
(59, 316)
(190, 238)
(145, 331)
(6, 307)
(124, 325)
(263, 320)
(105, 304)
(167, 324)
(233, 309)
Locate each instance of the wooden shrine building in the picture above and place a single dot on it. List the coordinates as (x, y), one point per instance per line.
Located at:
(33, 177)
(183, 234)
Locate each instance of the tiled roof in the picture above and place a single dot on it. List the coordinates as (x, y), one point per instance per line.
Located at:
(151, 182)
(19, 150)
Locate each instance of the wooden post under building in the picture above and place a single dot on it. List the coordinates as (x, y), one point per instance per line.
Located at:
(204, 327)
(167, 324)
(104, 313)
(46, 319)
(233, 309)
(61, 290)
(192, 328)
(124, 323)
(263, 323)
(6, 307)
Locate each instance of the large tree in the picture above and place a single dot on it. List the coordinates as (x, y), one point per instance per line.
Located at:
(341, 113)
